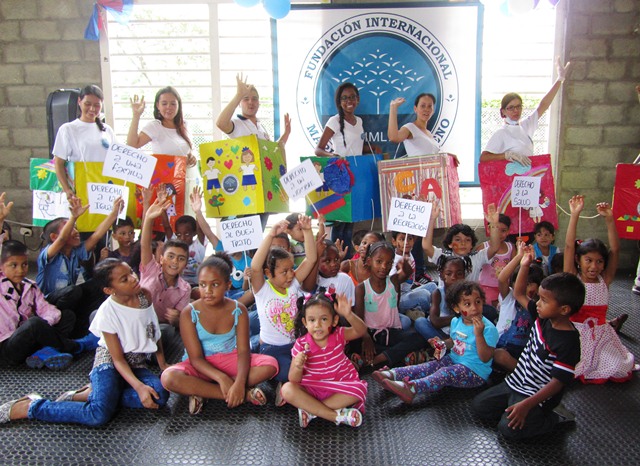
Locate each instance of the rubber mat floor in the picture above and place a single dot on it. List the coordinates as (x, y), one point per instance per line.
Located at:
(439, 429)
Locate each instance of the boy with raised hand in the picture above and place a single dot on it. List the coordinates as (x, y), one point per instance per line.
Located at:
(59, 264)
(32, 329)
(526, 403)
(169, 290)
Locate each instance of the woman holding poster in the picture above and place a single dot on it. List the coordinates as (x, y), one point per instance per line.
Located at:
(514, 141)
(85, 139)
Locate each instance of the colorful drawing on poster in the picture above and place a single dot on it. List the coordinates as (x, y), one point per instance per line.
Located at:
(242, 177)
(426, 178)
(496, 180)
(342, 178)
(626, 201)
(169, 175)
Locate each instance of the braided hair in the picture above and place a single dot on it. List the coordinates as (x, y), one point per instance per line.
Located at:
(341, 88)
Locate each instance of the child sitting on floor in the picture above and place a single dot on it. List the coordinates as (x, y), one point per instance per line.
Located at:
(322, 381)
(523, 404)
(30, 327)
(217, 362)
(470, 351)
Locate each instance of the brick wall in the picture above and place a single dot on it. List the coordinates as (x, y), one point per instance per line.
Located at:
(42, 49)
(600, 110)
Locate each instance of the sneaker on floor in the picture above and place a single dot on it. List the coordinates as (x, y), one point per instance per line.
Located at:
(88, 342)
(50, 358)
(636, 289)
(564, 414)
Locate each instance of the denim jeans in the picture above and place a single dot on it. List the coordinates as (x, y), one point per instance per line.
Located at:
(108, 391)
(419, 297)
(282, 355)
(425, 328)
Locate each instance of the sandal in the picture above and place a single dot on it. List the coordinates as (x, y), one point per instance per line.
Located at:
(68, 396)
(349, 416)
(304, 417)
(380, 375)
(400, 388)
(196, 403)
(618, 321)
(5, 409)
(257, 397)
(280, 401)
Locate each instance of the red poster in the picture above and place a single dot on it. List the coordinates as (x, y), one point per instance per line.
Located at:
(171, 172)
(626, 200)
(495, 181)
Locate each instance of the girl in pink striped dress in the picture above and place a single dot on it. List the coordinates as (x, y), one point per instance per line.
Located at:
(322, 381)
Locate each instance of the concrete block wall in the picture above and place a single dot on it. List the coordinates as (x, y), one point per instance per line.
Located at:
(600, 109)
(42, 49)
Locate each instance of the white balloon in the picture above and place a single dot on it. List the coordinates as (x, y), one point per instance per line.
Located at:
(519, 7)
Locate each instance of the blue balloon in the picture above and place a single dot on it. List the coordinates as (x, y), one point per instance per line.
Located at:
(277, 9)
(247, 3)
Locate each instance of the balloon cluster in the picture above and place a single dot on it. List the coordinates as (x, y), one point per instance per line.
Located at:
(277, 9)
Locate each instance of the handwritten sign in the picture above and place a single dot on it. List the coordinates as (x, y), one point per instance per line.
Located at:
(301, 180)
(241, 234)
(409, 216)
(102, 195)
(129, 164)
(525, 191)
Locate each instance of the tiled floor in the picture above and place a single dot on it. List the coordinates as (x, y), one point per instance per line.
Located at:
(435, 430)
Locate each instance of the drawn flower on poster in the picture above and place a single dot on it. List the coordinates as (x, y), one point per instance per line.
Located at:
(268, 163)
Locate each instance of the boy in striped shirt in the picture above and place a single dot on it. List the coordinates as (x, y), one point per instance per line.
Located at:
(524, 403)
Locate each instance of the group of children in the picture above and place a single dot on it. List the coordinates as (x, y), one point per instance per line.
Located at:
(322, 319)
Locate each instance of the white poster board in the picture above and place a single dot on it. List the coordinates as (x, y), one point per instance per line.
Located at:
(241, 234)
(102, 196)
(525, 191)
(409, 216)
(129, 164)
(301, 180)
(48, 205)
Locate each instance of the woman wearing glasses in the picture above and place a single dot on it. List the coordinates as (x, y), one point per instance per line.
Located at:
(514, 141)
(344, 130)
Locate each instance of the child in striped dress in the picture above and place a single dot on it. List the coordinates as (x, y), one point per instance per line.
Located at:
(322, 381)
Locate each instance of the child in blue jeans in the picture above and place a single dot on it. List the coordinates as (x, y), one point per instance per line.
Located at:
(129, 331)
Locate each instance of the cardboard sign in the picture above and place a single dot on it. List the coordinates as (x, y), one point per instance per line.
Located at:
(409, 216)
(242, 177)
(129, 164)
(427, 177)
(626, 201)
(525, 191)
(301, 180)
(496, 181)
(102, 196)
(241, 234)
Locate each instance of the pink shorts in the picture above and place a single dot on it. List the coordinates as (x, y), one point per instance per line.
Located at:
(225, 362)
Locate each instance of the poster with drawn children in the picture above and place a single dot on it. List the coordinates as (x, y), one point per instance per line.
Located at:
(242, 177)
